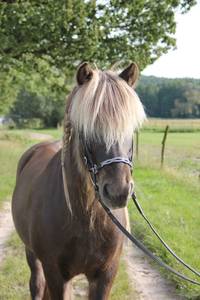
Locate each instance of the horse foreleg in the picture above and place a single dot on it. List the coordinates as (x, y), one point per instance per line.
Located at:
(100, 284)
(55, 281)
(37, 281)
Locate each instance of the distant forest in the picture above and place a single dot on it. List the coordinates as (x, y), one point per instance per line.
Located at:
(170, 98)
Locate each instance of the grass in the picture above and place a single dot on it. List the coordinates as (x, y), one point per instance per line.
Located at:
(14, 272)
(12, 145)
(173, 206)
(182, 151)
(122, 288)
(176, 125)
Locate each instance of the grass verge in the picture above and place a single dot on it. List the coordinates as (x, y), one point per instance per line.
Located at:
(176, 125)
(181, 153)
(173, 206)
(12, 145)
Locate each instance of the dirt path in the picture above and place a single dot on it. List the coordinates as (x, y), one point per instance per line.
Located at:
(40, 136)
(147, 281)
(6, 228)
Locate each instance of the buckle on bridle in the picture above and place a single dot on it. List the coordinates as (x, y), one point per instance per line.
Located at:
(94, 169)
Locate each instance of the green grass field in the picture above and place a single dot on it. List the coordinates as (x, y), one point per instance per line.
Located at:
(173, 206)
(12, 145)
(182, 152)
(176, 125)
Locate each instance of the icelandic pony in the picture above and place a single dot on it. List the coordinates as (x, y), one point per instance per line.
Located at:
(55, 207)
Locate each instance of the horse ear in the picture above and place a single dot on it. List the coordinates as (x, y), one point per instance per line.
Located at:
(130, 74)
(84, 73)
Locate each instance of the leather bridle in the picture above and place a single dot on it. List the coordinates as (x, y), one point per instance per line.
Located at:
(94, 168)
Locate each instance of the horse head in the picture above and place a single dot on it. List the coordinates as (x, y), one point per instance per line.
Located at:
(104, 110)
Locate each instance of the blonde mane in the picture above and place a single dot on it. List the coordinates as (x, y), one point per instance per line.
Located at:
(105, 107)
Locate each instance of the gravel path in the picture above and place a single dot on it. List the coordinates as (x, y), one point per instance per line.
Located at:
(6, 228)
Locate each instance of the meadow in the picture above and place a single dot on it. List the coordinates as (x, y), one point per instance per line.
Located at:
(170, 197)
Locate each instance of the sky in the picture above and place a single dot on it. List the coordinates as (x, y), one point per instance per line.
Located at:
(185, 60)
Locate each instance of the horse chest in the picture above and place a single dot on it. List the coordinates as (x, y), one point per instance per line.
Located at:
(89, 252)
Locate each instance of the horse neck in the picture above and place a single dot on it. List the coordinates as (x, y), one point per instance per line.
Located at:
(83, 199)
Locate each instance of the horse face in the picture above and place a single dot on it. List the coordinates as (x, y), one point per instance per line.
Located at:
(114, 181)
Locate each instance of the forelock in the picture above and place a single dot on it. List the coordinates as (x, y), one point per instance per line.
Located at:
(106, 107)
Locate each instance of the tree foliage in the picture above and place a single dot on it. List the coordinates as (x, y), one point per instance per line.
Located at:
(29, 107)
(67, 31)
(45, 80)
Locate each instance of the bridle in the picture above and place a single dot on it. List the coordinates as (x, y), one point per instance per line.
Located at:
(93, 169)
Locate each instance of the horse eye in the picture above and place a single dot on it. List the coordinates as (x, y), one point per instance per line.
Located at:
(89, 147)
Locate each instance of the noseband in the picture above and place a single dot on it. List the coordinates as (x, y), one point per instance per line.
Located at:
(94, 168)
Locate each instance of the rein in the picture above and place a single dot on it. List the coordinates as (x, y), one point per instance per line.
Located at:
(94, 169)
(141, 246)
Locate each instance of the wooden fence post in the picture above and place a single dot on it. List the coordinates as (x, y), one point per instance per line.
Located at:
(163, 146)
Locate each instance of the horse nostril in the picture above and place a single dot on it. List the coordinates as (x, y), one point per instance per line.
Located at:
(105, 191)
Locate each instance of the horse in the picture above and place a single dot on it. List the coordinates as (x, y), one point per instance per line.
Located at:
(57, 201)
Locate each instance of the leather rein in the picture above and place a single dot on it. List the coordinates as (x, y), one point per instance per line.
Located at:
(94, 169)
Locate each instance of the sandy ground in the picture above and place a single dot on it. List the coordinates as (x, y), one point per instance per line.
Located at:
(147, 281)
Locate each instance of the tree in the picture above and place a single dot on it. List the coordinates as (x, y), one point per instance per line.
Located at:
(45, 80)
(170, 98)
(67, 31)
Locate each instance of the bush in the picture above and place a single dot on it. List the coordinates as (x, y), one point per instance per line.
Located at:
(32, 110)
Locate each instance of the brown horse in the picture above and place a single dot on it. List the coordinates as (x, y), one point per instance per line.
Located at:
(56, 209)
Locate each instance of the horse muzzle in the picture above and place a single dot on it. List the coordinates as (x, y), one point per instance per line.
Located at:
(116, 196)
